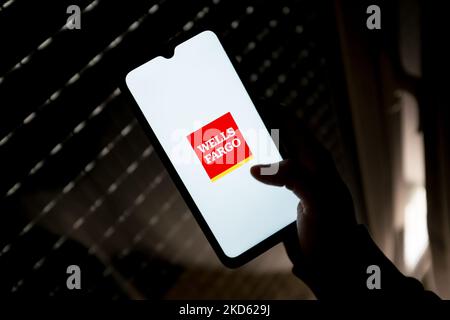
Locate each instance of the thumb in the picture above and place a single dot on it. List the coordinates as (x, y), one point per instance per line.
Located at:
(283, 173)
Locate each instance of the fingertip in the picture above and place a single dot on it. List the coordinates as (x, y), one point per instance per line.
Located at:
(256, 170)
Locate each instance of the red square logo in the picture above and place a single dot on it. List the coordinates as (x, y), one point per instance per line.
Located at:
(220, 146)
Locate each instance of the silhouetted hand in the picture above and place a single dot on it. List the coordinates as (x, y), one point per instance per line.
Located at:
(325, 212)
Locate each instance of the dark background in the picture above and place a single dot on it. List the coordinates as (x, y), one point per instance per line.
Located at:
(80, 183)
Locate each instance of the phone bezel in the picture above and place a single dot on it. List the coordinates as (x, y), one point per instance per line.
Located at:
(253, 252)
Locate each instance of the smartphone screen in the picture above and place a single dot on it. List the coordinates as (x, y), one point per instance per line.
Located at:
(204, 119)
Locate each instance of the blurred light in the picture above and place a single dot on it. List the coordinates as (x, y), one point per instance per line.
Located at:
(416, 233)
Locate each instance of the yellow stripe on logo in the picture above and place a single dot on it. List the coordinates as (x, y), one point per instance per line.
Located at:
(237, 165)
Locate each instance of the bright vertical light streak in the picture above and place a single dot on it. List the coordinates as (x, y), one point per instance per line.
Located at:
(416, 232)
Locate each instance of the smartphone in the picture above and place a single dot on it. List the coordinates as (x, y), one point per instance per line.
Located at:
(207, 131)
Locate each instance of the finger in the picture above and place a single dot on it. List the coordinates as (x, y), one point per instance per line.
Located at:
(292, 244)
(280, 177)
(287, 175)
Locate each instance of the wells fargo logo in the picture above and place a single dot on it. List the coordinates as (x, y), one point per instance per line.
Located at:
(220, 146)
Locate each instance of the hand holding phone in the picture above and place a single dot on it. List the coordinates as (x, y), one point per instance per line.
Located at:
(326, 214)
